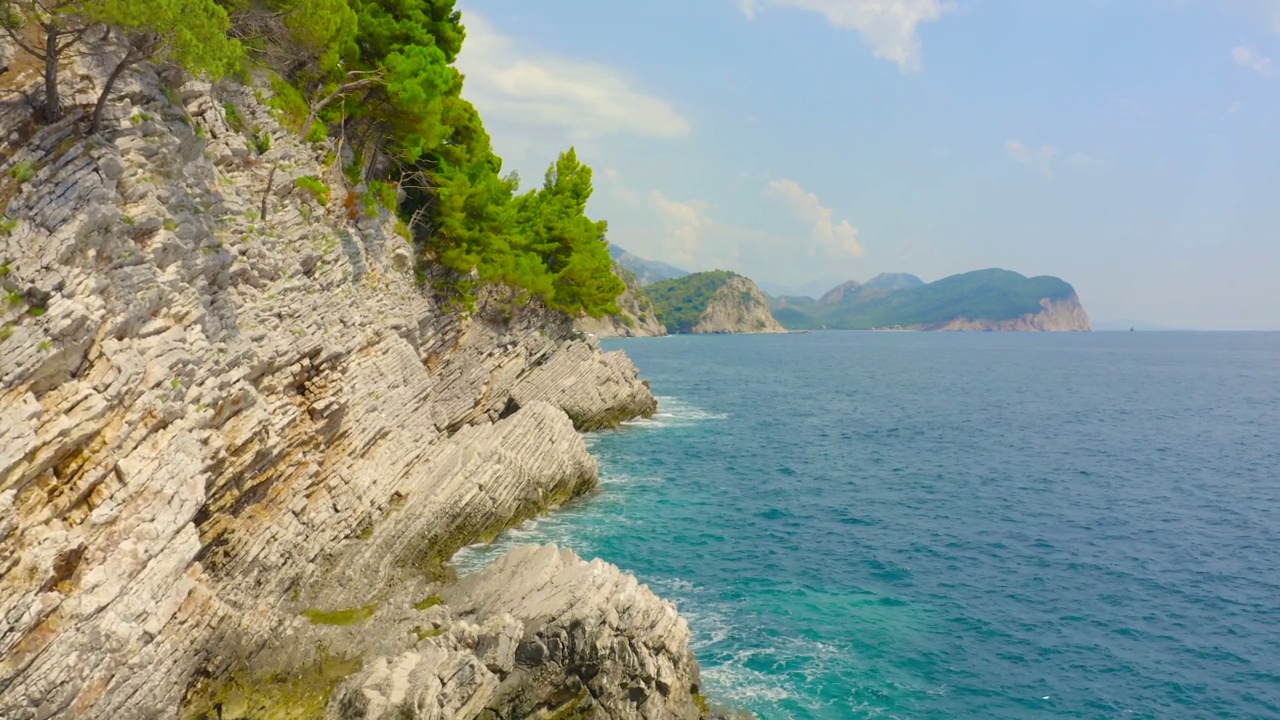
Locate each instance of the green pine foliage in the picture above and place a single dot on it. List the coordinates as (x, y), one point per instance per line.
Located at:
(382, 77)
(316, 187)
(379, 76)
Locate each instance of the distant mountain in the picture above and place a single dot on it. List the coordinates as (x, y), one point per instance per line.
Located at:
(812, 287)
(837, 294)
(981, 300)
(712, 302)
(647, 272)
(894, 281)
(789, 301)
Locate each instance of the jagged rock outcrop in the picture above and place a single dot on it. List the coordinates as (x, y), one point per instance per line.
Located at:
(636, 316)
(737, 307)
(624, 651)
(1066, 315)
(717, 301)
(237, 442)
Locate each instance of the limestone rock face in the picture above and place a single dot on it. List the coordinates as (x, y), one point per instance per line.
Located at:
(737, 307)
(237, 441)
(1066, 315)
(585, 640)
(636, 316)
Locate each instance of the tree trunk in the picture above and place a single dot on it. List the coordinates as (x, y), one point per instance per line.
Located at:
(52, 106)
(266, 194)
(340, 92)
(128, 59)
(306, 124)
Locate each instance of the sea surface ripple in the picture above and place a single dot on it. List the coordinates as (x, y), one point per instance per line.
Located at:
(903, 525)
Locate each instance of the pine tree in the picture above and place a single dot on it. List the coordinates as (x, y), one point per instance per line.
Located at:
(59, 26)
(192, 33)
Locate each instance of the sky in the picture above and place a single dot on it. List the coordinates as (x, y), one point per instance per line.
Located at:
(1130, 147)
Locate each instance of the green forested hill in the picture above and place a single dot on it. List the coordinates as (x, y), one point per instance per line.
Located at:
(712, 302)
(991, 295)
(894, 281)
(680, 302)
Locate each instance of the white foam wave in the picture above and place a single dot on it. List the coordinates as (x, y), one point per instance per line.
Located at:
(740, 685)
(674, 408)
(674, 412)
(645, 423)
(617, 478)
(536, 531)
(681, 586)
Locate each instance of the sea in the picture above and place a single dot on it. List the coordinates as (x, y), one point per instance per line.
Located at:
(989, 525)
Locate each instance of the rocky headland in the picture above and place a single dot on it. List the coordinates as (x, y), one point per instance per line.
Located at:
(714, 302)
(1055, 315)
(239, 443)
(982, 300)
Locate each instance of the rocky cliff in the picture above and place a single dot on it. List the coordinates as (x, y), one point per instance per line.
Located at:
(737, 307)
(636, 316)
(1066, 315)
(717, 301)
(238, 445)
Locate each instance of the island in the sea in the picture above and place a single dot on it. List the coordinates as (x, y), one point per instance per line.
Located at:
(990, 299)
(663, 299)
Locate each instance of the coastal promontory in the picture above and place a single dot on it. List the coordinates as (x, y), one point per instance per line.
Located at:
(711, 303)
(983, 300)
(248, 414)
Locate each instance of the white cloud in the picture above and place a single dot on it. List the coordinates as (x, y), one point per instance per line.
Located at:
(1248, 56)
(1261, 15)
(888, 26)
(1083, 160)
(685, 225)
(837, 240)
(1266, 10)
(581, 99)
(610, 182)
(1041, 160)
(688, 235)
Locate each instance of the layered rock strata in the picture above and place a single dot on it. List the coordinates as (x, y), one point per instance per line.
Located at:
(738, 306)
(238, 444)
(636, 316)
(538, 630)
(1064, 315)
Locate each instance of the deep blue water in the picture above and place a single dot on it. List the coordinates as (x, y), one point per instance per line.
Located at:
(913, 525)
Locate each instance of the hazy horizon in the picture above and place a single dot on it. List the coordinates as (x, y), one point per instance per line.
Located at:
(1128, 148)
(815, 288)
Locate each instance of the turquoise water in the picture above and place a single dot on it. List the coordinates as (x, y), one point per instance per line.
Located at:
(905, 525)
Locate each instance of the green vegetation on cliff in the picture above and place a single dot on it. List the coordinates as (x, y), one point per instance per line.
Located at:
(378, 77)
(635, 316)
(680, 302)
(718, 301)
(993, 295)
